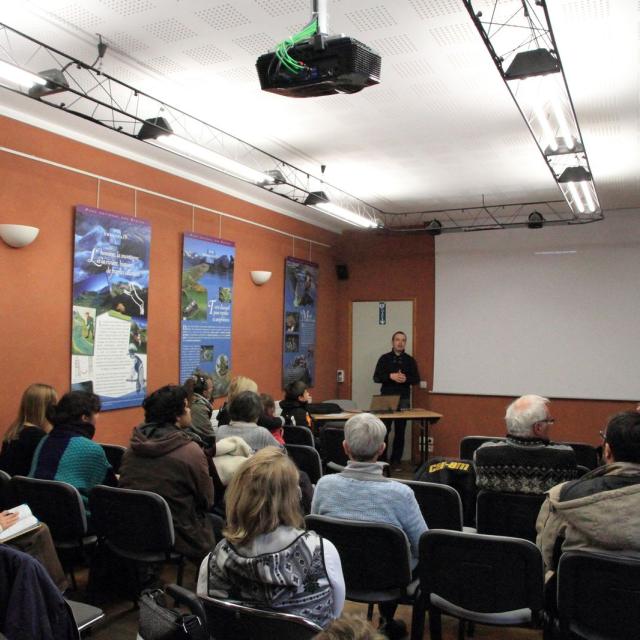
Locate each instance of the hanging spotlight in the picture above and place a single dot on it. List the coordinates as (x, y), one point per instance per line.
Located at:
(55, 82)
(158, 131)
(320, 201)
(433, 227)
(536, 220)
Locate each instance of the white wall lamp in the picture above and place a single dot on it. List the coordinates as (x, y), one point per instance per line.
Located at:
(18, 235)
(260, 277)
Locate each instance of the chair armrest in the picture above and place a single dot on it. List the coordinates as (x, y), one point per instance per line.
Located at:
(187, 599)
(334, 466)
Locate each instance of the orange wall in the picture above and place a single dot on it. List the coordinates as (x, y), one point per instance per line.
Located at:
(35, 315)
(403, 267)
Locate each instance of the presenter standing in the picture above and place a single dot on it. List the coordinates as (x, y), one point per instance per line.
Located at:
(396, 371)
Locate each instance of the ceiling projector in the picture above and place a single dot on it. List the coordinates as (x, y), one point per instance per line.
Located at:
(326, 66)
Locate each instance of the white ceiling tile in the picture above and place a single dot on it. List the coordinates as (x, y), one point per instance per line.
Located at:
(222, 17)
(170, 30)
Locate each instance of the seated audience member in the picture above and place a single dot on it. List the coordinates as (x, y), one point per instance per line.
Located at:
(38, 544)
(349, 628)
(600, 510)
(199, 388)
(162, 458)
(236, 387)
(295, 403)
(267, 559)
(68, 453)
(244, 411)
(31, 425)
(360, 492)
(527, 462)
(268, 418)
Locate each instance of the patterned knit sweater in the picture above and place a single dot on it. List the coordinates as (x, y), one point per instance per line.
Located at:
(361, 493)
(523, 465)
(67, 455)
(289, 580)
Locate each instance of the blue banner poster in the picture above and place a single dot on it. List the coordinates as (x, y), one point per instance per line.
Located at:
(300, 306)
(207, 298)
(109, 316)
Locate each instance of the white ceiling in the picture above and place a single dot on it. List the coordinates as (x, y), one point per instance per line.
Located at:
(439, 132)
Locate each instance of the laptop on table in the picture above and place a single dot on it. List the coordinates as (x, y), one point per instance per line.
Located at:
(384, 404)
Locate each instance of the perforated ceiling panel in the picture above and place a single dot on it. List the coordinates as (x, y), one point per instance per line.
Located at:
(441, 130)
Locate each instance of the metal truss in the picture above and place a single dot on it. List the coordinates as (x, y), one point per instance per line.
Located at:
(520, 40)
(86, 92)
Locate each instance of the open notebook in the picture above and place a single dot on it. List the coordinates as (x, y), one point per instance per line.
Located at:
(384, 404)
(26, 522)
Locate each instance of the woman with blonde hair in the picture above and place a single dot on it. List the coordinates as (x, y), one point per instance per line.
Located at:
(30, 426)
(236, 387)
(267, 560)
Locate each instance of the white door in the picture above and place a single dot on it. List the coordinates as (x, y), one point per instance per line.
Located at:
(372, 328)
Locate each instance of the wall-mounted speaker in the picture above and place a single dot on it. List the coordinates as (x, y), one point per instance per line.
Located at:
(342, 271)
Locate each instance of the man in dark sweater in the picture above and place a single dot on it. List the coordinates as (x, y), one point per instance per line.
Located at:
(527, 461)
(396, 371)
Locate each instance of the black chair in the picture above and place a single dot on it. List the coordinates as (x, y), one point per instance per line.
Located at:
(440, 504)
(508, 514)
(469, 444)
(476, 578)
(599, 595)
(60, 506)
(84, 615)
(298, 435)
(114, 453)
(307, 459)
(227, 620)
(135, 525)
(586, 454)
(6, 493)
(331, 443)
(375, 557)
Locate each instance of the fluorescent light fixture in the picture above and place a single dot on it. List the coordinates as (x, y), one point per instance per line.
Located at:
(536, 62)
(578, 177)
(320, 201)
(55, 82)
(19, 76)
(157, 131)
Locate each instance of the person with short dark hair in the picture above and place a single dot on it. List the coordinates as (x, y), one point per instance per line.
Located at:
(163, 458)
(600, 510)
(68, 453)
(199, 388)
(397, 371)
(244, 411)
(295, 403)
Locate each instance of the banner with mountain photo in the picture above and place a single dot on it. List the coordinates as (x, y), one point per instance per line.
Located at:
(299, 322)
(206, 304)
(109, 315)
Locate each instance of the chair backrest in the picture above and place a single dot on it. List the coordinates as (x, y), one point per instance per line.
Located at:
(508, 514)
(586, 454)
(331, 439)
(440, 504)
(480, 573)
(298, 435)
(57, 504)
(469, 444)
(6, 493)
(231, 621)
(307, 459)
(375, 556)
(599, 595)
(132, 520)
(344, 404)
(114, 453)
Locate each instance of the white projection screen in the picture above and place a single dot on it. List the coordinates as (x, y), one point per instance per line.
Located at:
(553, 311)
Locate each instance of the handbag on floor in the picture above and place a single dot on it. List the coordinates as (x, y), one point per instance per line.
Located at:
(157, 621)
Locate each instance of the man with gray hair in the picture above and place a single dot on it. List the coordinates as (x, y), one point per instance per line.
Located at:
(361, 492)
(527, 461)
